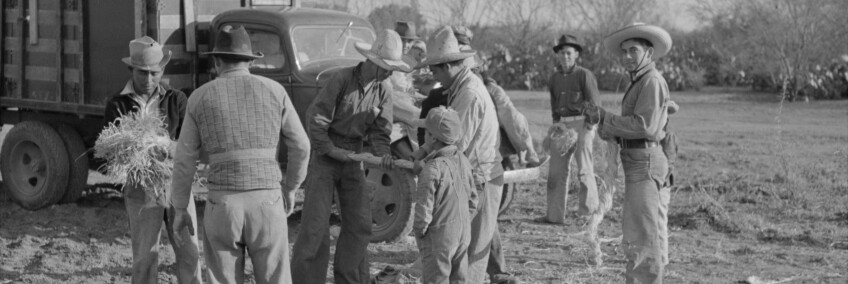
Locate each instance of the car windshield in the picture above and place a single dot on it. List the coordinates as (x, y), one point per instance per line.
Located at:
(313, 44)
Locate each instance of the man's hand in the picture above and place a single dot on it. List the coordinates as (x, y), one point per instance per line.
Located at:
(419, 166)
(340, 155)
(157, 152)
(181, 221)
(592, 113)
(288, 200)
(387, 163)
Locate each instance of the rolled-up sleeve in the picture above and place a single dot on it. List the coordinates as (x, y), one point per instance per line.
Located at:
(294, 136)
(320, 115)
(381, 129)
(425, 199)
(645, 120)
(185, 161)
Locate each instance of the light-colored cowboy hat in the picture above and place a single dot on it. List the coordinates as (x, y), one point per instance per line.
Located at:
(386, 52)
(235, 42)
(659, 37)
(443, 48)
(147, 54)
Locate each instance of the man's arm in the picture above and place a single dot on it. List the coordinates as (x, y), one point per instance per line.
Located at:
(645, 120)
(470, 111)
(381, 128)
(554, 99)
(187, 152)
(319, 115)
(590, 88)
(293, 134)
(425, 198)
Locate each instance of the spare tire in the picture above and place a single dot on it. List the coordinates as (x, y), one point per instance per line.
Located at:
(34, 164)
(77, 162)
(391, 203)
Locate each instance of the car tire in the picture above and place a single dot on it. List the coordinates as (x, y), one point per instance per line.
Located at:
(34, 164)
(77, 162)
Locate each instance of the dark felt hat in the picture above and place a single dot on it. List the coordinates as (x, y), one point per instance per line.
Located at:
(568, 40)
(406, 30)
(232, 41)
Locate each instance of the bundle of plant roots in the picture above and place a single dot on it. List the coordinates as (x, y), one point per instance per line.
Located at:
(135, 147)
(560, 139)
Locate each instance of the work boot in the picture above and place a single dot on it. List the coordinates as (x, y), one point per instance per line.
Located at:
(504, 278)
(388, 275)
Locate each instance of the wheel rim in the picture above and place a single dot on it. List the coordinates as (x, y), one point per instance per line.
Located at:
(385, 200)
(29, 168)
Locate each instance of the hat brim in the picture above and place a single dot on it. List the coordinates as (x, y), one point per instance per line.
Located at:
(158, 67)
(656, 35)
(559, 47)
(445, 58)
(255, 55)
(388, 64)
(410, 37)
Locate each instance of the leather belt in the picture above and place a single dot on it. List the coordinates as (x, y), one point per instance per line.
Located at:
(637, 143)
(244, 154)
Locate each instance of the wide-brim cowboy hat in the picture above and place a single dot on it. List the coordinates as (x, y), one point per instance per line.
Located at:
(658, 37)
(234, 42)
(386, 52)
(443, 48)
(147, 54)
(568, 40)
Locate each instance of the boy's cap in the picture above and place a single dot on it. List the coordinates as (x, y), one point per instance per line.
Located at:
(444, 124)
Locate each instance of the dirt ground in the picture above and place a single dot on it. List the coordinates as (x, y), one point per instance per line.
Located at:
(761, 196)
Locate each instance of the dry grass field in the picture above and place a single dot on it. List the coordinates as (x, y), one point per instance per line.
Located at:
(762, 194)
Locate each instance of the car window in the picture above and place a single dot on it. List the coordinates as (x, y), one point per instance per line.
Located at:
(318, 43)
(269, 44)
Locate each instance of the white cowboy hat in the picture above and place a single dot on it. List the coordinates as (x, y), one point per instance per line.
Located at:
(386, 52)
(443, 48)
(147, 54)
(656, 35)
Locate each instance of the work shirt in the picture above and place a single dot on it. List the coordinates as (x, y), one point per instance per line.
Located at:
(569, 90)
(350, 108)
(643, 108)
(446, 192)
(239, 120)
(165, 102)
(469, 97)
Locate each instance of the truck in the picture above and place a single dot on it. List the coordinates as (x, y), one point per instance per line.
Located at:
(61, 64)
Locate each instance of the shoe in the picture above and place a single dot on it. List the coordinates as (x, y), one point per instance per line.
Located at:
(504, 279)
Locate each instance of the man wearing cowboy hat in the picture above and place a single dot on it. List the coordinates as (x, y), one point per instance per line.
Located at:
(144, 92)
(571, 87)
(639, 129)
(353, 104)
(240, 119)
(466, 94)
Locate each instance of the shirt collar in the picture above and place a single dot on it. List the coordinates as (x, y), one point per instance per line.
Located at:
(235, 72)
(460, 78)
(562, 69)
(130, 90)
(443, 152)
(635, 76)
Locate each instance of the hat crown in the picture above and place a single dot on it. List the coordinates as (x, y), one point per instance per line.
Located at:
(444, 124)
(145, 51)
(388, 45)
(233, 40)
(444, 42)
(463, 34)
(568, 39)
(406, 29)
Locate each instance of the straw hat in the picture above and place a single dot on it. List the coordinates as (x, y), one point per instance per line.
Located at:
(444, 48)
(386, 52)
(656, 35)
(568, 40)
(406, 30)
(463, 34)
(235, 42)
(147, 54)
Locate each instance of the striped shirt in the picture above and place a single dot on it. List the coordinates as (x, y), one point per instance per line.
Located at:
(239, 119)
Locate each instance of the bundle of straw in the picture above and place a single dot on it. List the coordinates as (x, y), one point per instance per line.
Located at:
(132, 146)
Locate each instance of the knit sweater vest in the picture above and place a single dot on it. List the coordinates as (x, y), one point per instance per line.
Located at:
(239, 120)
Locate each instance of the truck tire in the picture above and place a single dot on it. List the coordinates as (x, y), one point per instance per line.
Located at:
(391, 203)
(509, 189)
(77, 162)
(34, 164)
